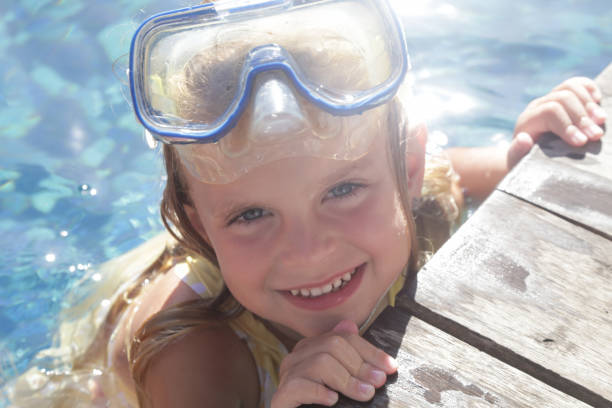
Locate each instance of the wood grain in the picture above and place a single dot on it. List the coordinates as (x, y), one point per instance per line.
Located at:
(438, 370)
(532, 283)
(574, 183)
(570, 192)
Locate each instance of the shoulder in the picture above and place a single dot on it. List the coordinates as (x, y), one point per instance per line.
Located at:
(163, 292)
(207, 366)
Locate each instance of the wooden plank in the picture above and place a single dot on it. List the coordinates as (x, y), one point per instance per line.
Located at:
(584, 197)
(604, 81)
(575, 183)
(533, 284)
(594, 157)
(438, 370)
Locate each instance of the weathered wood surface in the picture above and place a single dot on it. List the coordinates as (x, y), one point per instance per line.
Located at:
(437, 370)
(534, 284)
(527, 281)
(581, 196)
(575, 183)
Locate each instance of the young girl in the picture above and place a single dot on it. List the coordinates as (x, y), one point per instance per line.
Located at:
(298, 203)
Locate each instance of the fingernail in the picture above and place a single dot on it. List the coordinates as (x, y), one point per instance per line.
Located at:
(378, 377)
(393, 363)
(576, 135)
(590, 128)
(332, 397)
(597, 112)
(366, 389)
(596, 130)
(600, 113)
(596, 93)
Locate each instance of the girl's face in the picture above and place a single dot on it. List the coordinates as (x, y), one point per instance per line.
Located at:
(306, 242)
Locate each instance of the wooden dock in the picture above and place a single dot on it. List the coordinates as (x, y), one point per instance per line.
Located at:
(515, 310)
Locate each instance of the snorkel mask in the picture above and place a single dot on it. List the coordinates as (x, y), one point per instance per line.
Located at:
(236, 84)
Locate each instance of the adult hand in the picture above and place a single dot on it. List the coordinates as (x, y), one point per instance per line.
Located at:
(340, 361)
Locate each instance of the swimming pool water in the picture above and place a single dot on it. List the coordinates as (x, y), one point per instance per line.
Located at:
(78, 184)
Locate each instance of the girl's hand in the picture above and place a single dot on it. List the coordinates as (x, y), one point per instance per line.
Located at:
(571, 110)
(339, 361)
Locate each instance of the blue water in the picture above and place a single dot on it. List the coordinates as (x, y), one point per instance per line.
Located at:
(78, 184)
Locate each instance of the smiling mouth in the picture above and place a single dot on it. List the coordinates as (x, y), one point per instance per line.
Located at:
(334, 286)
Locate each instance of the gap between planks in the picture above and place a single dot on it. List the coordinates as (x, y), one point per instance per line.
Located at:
(572, 221)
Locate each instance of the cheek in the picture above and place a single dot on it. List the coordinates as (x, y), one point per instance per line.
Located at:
(243, 270)
(381, 223)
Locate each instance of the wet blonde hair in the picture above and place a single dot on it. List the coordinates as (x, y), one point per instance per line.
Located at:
(191, 88)
(170, 325)
(173, 323)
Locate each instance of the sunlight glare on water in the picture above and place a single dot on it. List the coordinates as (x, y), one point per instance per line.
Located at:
(79, 185)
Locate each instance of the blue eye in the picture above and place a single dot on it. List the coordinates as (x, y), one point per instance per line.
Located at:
(248, 216)
(343, 190)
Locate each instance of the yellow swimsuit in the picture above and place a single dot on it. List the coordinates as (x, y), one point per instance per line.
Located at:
(70, 387)
(268, 352)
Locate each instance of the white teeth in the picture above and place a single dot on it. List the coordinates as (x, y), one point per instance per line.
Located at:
(314, 292)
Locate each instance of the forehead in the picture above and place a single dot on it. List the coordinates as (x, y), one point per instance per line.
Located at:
(241, 151)
(296, 178)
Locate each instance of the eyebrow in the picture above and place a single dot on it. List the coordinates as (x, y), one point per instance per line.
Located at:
(229, 206)
(356, 164)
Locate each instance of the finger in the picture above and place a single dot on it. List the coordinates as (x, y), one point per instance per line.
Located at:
(551, 117)
(346, 326)
(520, 146)
(576, 111)
(299, 391)
(372, 354)
(341, 350)
(572, 104)
(333, 344)
(585, 88)
(597, 113)
(590, 128)
(372, 375)
(325, 369)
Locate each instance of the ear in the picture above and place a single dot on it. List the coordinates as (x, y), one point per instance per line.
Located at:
(196, 223)
(415, 158)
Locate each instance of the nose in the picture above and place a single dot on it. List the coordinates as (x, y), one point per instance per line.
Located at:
(307, 244)
(276, 111)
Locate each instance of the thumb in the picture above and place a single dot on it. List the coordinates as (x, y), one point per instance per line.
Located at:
(346, 326)
(520, 146)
